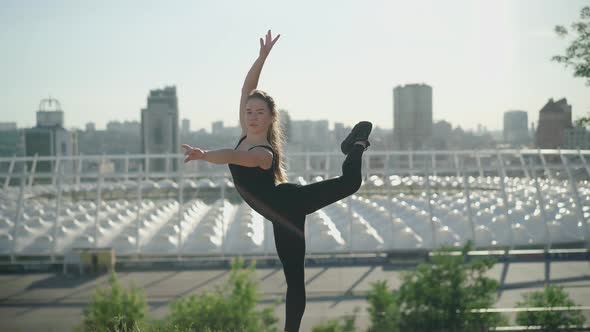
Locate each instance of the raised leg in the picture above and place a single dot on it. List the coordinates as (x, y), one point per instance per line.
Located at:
(317, 195)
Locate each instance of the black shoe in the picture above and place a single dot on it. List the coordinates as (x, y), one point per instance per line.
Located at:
(360, 132)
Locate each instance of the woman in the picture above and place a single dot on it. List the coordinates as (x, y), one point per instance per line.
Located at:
(257, 168)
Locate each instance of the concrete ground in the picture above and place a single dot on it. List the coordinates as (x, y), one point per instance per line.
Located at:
(53, 302)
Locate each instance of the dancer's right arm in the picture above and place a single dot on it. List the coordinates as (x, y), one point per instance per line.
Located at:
(251, 81)
(257, 157)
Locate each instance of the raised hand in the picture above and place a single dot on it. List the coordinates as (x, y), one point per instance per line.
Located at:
(192, 153)
(267, 44)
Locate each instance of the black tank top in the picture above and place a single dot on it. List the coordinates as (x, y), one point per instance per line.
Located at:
(254, 175)
(257, 188)
(255, 185)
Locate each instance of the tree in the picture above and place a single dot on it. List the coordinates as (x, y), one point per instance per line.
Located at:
(583, 122)
(552, 296)
(577, 54)
(444, 295)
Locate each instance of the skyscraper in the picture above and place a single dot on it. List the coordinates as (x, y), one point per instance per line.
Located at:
(186, 126)
(159, 128)
(310, 134)
(90, 127)
(554, 118)
(412, 117)
(49, 137)
(216, 127)
(7, 126)
(285, 119)
(9, 137)
(515, 130)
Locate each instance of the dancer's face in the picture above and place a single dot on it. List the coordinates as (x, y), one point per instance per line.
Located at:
(258, 116)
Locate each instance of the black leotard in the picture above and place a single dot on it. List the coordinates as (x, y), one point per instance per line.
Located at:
(257, 188)
(286, 206)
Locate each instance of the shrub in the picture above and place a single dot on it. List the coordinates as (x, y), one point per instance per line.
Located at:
(118, 309)
(552, 296)
(441, 296)
(383, 308)
(346, 324)
(231, 307)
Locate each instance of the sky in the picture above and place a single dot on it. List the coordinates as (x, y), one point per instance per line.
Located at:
(336, 59)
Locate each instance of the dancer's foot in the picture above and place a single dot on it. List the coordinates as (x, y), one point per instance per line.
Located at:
(359, 134)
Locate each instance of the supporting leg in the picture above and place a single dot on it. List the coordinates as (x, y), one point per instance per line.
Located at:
(291, 251)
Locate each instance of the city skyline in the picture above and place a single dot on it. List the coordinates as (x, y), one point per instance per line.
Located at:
(489, 57)
(123, 125)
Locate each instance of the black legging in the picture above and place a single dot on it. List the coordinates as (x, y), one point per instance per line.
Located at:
(297, 202)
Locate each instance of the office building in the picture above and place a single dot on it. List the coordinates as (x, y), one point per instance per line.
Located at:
(49, 137)
(412, 117)
(554, 118)
(515, 131)
(159, 129)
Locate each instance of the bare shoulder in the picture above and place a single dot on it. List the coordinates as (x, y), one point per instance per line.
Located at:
(266, 148)
(265, 156)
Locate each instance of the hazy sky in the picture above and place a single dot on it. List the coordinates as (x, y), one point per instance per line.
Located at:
(336, 60)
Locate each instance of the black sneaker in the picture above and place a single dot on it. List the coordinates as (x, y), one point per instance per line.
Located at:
(360, 132)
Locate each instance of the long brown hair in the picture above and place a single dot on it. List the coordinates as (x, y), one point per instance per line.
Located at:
(274, 135)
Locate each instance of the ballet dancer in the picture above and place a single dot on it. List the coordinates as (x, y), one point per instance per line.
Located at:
(258, 171)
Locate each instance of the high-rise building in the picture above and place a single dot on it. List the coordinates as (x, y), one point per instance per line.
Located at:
(127, 126)
(216, 127)
(186, 126)
(50, 118)
(554, 118)
(48, 137)
(285, 119)
(442, 135)
(576, 138)
(412, 117)
(90, 127)
(9, 138)
(340, 131)
(311, 134)
(515, 131)
(159, 128)
(7, 126)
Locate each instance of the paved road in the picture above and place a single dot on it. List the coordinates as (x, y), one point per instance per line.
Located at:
(50, 302)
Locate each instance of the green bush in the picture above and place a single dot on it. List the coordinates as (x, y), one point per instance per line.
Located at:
(441, 296)
(231, 307)
(117, 310)
(552, 296)
(346, 324)
(383, 308)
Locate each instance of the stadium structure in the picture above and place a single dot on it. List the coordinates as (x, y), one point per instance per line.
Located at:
(409, 200)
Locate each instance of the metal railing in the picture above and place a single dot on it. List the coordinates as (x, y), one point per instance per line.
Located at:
(75, 172)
